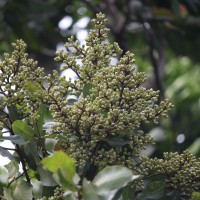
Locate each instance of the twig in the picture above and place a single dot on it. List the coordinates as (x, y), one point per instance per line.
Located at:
(23, 163)
(156, 54)
(11, 149)
(14, 179)
(18, 151)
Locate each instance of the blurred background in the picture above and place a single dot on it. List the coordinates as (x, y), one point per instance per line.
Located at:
(164, 35)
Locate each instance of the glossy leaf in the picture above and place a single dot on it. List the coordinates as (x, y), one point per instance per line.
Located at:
(31, 153)
(108, 181)
(48, 191)
(3, 175)
(89, 192)
(4, 152)
(13, 169)
(7, 194)
(38, 124)
(50, 144)
(64, 179)
(16, 139)
(64, 168)
(43, 113)
(195, 147)
(68, 195)
(23, 191)
(23, 130)
(128, 192)
(154, 190)
(46, 177)
(13, 113)
(59, 160)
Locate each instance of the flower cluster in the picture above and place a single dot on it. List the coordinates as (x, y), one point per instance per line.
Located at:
(103, 126)
(24, 86)
(181, 172)
(17, 75)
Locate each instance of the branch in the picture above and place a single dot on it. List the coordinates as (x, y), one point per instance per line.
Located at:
(11, 149)
(14, 179)
(18, 151)
(23, 163)
(156, 54)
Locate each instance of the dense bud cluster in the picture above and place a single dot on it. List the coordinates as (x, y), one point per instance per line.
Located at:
(181, 172)
(103, 126)
(17, 73)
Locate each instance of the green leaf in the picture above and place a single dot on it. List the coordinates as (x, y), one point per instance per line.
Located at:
(48, 191)
(89, 192)
(59, 160)
(117, 142)
(3, 175)
(46, 177)
(64, 168)
(63, 178)
(13, 113)
(23, 191)
(7, 194)
(31, 153)
(23, 130)
(154, 190)
(83, 170)
(16, 139)
(50, 144)
(195, 147)
(5, 153)
(108, 181)
(128, 192)
(13, 169)
(38, 123)
(69, 195)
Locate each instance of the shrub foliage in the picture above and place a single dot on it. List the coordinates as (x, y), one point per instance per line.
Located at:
(92, 147)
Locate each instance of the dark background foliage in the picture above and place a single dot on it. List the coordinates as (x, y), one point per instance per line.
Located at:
(163, 35)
